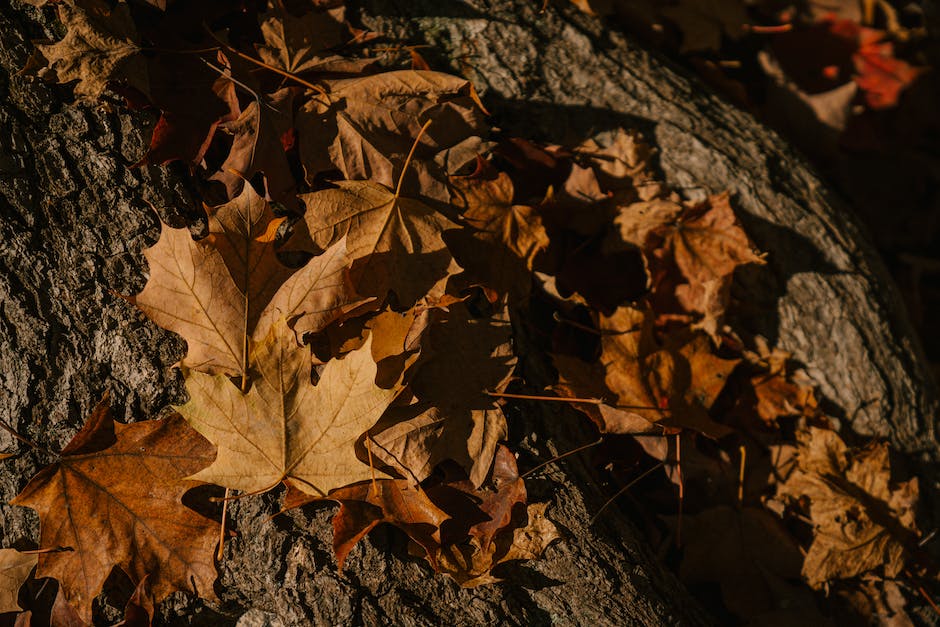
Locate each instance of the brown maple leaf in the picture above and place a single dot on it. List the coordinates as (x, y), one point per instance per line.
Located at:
(452, 417)
(14, 571)
(739, 549)
(621, 160)
(366, 126)
(283, 427)
(260, 135)
(224, 291)
(397, 502)
(394, 242)
(101, 45)
(302, 43)
(494, 526)
(503, 238)
(136, 474)
(861, 520)
(672, 385)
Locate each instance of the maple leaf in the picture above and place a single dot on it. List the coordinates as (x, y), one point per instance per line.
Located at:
(14, 571)
(504, 238)
(860, 522)
(364, 506)
(395, 242)
(668, 385)
(222, 291)
(470, 553)
(621, 160)
(707, 243)
(136, 474)
(101, 45)
(369, 124)
(283, 427)
(739, 549)
(258, 146)
(299, 44)
(453, 418)
(692, 253)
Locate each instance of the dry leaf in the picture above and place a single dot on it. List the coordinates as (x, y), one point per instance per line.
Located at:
(366, 127)
(220, 292)
(14, 571)
(504, 238)
(453, 417)
(136, 474)
(395, 242)
(101, 44)
(396, 502)
(262, 135)
(283, 427)
(299, 44)
(861, 520)
(737, 548)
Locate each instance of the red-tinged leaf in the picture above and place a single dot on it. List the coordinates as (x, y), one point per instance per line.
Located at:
(364, 506)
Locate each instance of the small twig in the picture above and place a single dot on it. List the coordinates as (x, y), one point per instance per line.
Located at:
(375, 485)
(571, 399)
(560, 457)
(55, 549)
(21, 438)
(533, 397)
(927, 598)
(624, 489)
(576, 325)
(768, 30)
(681, 489)
(225, 500)
(741, 475)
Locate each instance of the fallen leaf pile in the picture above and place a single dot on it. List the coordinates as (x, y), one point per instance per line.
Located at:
(349, 312)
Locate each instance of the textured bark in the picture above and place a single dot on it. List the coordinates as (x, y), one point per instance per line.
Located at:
(74, 218)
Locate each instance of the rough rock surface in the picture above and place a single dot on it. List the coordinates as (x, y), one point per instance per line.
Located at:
(74, 218)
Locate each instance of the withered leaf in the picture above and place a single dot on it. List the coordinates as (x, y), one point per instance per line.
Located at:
(299, 44)
(367, 127)
(222, 291)
(101, 44)
(737, 549)
(395, 242)
(366, 505)
(258, 145)
(707, 242)
(453, 418)
(621, 160)
(283, 427)
(862, 521)
(504, 238)
(502, 536)
(114, 497)
(641, 381)
(14, 571)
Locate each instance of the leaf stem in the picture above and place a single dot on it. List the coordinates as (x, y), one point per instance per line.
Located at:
(404, 168)
(560, 457)
(225, 500)
(624, 489)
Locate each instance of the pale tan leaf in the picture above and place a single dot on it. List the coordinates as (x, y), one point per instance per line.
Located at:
(283, 427)
(14, 570)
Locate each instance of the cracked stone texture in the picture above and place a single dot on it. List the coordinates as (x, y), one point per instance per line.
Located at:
(74, 219)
